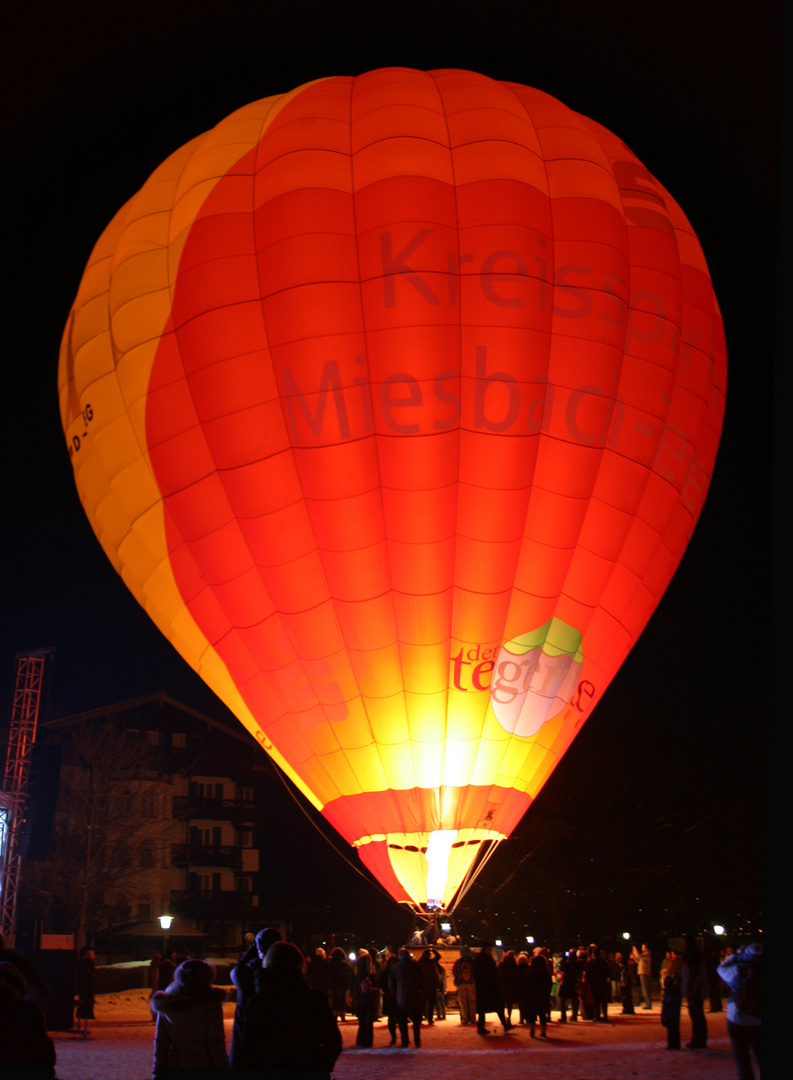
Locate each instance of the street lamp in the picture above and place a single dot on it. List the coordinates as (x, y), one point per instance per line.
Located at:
(165, 922)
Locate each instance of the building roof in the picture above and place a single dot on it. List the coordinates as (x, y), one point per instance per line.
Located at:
(162, 699)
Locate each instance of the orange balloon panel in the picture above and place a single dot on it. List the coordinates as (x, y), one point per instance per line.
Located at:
(395, 400)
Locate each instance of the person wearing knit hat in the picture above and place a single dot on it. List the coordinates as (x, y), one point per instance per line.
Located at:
(189, 1013)
(287, 1025)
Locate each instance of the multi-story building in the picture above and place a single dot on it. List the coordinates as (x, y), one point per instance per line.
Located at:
(175, 830)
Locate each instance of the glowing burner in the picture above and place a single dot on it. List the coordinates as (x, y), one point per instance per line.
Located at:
(438, 849)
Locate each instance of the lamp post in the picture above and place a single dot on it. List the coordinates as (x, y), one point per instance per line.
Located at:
(165, 922)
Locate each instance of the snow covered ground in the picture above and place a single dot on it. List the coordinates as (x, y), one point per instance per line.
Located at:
(119, 1047)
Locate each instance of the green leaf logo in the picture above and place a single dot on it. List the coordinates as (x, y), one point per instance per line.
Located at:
(535, 677)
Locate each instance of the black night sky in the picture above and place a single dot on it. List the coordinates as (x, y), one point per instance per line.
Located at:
(97, 95)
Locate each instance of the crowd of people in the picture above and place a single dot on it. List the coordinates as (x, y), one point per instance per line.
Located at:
(410, 987)
(578, 984)
(288, 1008)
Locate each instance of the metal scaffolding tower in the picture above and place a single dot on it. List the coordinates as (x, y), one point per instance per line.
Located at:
(13, 794)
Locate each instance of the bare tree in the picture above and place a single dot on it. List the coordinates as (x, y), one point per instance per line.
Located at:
(111, 819)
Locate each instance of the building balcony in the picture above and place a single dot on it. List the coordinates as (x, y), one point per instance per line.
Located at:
(215, 904)
(206, 855)
(187, 807)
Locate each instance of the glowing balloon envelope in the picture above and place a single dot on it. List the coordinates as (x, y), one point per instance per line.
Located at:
(394, 400)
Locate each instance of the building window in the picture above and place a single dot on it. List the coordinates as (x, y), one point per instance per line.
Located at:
(244, 884)
(204, 883)
(144, 912)
(203, 789)
(146, 858)
(244, 836)
(178, 740)
(153, 738)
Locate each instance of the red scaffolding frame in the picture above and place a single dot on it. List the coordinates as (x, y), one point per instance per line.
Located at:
(13, 794)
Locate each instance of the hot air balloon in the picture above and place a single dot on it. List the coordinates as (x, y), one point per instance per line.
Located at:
(394, 400)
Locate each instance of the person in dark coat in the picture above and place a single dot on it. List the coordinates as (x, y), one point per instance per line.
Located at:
(488, 989)
(405, 983)
(243, 975)
(26, 1050)
(671, 1001)
(694, 986)
(287, 1025)
(340, 977)
(538, 992)
(714, 982)
(165, 972)
(508, 980)
(86, 975)
(389, 998)
(568, 995)
(189, 1033)
(429, 965)
(364, 999)
(585, 1002)
(597, 977)
(627, 969)
(522, 968)
(318, 972)
(440, 991)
